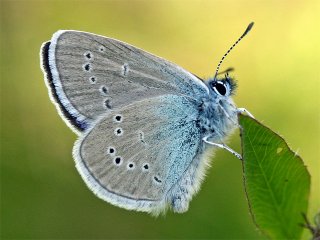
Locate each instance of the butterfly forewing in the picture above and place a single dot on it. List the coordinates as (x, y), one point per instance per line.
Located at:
(91, 74)
(134, 155)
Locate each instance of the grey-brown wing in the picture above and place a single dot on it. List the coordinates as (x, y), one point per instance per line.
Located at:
(135, 156)
(89, 74)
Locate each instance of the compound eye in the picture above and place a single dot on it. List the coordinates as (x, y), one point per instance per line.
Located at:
(220, 88)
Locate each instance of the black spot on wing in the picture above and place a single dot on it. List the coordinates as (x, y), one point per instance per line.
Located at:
(158, 180)
(81, 126)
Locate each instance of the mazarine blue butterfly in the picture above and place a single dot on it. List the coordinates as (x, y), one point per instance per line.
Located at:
(144, 123)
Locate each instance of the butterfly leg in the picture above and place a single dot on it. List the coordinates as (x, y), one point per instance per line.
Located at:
(243, 110)
(223, 146)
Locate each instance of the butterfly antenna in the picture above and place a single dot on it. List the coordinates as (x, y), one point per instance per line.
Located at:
(239, 39)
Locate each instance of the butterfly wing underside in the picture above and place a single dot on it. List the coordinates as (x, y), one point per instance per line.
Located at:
(137, 156)
(88, 75)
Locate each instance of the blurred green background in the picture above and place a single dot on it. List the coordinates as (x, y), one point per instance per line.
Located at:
(277, 68)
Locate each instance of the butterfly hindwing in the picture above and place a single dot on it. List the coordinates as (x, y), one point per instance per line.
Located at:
(90, 75)
(137, 156)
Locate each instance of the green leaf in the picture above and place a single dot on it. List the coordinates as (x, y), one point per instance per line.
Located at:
(276, 181)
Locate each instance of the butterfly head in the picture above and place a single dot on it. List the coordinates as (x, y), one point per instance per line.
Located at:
(222, 87)
(219, 114)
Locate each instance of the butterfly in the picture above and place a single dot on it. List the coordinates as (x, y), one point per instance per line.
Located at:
(144, 124)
